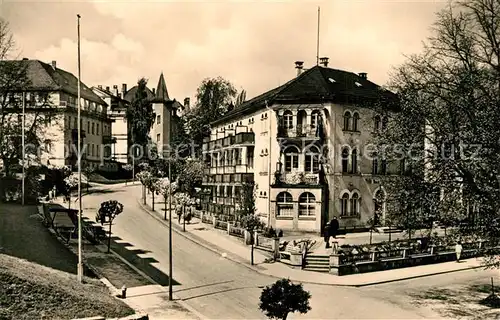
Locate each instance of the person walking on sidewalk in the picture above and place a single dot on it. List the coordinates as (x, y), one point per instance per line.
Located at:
(458, 250)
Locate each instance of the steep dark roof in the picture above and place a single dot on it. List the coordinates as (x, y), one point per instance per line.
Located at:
(129, 96)
(318, 84)
(161, 90)
(43, 77)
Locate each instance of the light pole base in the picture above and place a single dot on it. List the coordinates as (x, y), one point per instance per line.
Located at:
(80, 272)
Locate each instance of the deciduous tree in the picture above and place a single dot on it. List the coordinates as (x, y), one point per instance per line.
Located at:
(107, 213)
(449, 113)
(283, 298)
(140, 116)
(213, 98)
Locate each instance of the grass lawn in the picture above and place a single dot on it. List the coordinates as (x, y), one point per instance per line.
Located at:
(31, 291)
(22, 235)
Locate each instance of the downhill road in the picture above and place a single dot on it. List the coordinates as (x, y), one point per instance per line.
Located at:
(221, 289)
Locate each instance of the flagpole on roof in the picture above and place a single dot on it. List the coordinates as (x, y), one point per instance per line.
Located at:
(80, 264)
(317, 40)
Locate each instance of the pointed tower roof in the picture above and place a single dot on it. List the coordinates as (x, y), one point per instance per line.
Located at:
(161, 90)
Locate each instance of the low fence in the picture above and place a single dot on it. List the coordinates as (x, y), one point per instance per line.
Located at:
(343, 264)
(237, 232)
(221, 225)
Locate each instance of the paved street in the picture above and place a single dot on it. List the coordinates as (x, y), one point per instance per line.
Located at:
(219, 288)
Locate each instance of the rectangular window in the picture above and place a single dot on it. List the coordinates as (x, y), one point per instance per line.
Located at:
(250, 157)
(97, 129)
(93, 127)
(291, 162)
(158, 136)
(158, 119)
(88, 126)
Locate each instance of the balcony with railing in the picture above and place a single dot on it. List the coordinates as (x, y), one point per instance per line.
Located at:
(299, 131)
(245, 138)
(296, 178)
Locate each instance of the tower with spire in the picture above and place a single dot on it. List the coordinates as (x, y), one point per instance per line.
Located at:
(166, 117)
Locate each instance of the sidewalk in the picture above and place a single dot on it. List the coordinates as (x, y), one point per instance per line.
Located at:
(143, 294)
(233, 249)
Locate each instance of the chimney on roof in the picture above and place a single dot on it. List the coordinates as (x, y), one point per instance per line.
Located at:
(107, 88)
(324, 61)
(124, 89)
(363, 75)
(154, 91)
(99, 86)
(186, 102)
(299, 65)
(115, 90)
(54, 64)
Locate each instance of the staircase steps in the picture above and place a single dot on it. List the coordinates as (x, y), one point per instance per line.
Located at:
(318, 263)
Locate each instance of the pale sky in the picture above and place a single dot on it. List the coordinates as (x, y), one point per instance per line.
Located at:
(253, 44)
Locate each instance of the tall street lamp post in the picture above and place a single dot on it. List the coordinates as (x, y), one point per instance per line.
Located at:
(80, 264)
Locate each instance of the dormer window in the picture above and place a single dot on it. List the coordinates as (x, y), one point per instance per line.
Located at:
(331, 80)
(358, 84)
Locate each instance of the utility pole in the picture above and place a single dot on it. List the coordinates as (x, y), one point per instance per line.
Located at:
(80, 264)
(23, 143)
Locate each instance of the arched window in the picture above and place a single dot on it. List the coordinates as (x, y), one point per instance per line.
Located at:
(355, 204)
(385, 121)
(314, 118)
(291, 158)
(347, 120)
(284, 203)
(377, 123)
(375, 164)
(307, 204)
(354, 161)
(355, 121)
(345, 160)
(312, 160)
(344, 202)
(402, 166)
(288, 119)
(383, 166)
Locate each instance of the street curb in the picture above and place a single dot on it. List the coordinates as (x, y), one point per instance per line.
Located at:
(219, 251)
(175, 298)
(115, 290)
(188, 236)
(416, 277)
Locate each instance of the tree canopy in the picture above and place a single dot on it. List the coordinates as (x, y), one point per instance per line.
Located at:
(445, 137)
(282, 298)
(214, 97)
(140, 115)
(15, 90)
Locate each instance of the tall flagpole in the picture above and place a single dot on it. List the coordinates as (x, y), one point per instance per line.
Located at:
(317, 42)
(80, 265)
(23, 142)
(170, 247)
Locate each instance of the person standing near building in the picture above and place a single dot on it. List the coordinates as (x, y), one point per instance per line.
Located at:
(326, 235)
(458, 250)
(334, 228)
